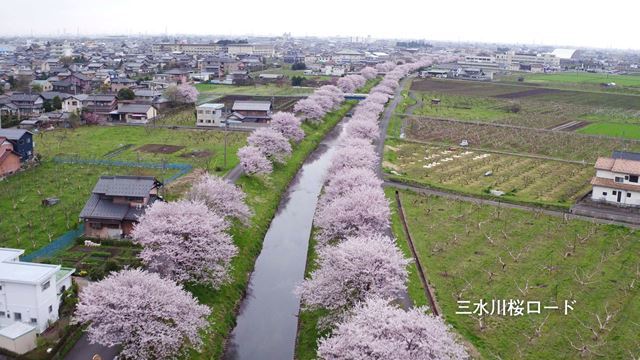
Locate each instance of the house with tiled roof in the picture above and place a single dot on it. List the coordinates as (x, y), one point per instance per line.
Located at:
(616, 181)
(116, 203)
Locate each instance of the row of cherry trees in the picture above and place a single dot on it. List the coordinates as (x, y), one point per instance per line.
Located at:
(147, 312)
(273, 144)
(360, 269)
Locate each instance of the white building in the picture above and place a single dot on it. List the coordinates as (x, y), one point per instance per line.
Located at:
(209, 115)
(30, 293)
(616, 179)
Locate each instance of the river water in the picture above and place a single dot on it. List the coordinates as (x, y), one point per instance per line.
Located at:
(267, 323)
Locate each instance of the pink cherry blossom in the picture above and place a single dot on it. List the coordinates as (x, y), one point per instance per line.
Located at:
(185, 242)
(147, 316)
(288, 125)
(353, 270)
(221, 197)
(272, 144)
(253, 161)
(378, 330)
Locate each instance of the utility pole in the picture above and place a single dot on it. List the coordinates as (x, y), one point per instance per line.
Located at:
(226, 129)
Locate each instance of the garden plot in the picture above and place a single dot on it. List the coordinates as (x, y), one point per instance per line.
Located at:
(477, 172)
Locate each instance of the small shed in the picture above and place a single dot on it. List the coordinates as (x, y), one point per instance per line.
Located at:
(18, 337)
(435, 101)
(50, 201)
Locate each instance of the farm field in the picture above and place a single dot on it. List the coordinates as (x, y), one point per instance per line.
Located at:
(535, 107)
(581, 80)
(204, 149)
(474, 252)
(206, 90)
(521, 178)
(627, 131)
(555, 144)
(291, 73)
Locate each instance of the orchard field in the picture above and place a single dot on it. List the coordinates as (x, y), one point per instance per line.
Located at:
(471, 252)
(521, 178)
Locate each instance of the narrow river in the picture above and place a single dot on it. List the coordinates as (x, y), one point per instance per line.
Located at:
(267, 322)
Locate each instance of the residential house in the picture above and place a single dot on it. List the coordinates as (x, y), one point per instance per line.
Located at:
(172, 77)
(208, 115)
(135, 113)
(28, 104)
(616, 181)
(9, 159)
(30, 293)
(116, 204)
(43, 84)
(121, 83)
(101, 104)
(22, 141)
(73, 103)
(253, 111)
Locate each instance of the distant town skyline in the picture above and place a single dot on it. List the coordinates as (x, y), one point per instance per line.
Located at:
(545, 22)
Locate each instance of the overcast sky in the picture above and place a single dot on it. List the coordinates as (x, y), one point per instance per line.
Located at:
(608, 24)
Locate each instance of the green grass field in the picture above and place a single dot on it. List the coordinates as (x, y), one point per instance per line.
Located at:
(200, 148)
(627, 131)
(207, 90)
(583, 77)
(463, 246)
(25, 223)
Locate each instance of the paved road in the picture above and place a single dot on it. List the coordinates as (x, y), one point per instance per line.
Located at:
(83, 350)
(384, 122)
(532, 208)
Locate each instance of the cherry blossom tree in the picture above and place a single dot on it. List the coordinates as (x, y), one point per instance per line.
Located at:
(356, 153)
(187, 93)
(382, 89)
(147, 316)
(253, 161)
(325, 102)
(288, 125)
(364, 211)
(369, 72)
(272, 144)
(340, 184)
(378, 98)
(378, 330)
(331, 88)
(309, 110)
(363, 128)
(185, 242)
(393, 84)
(221, 197)
(346, 84)
(386, 66)
(181, 94)
(370, 107)
(351, 271)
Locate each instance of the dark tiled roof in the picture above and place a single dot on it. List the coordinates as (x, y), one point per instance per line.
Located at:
(134, 108)
(13, 134)
(133, 186)
(626, 155)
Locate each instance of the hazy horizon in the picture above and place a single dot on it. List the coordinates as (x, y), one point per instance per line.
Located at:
(549, 23)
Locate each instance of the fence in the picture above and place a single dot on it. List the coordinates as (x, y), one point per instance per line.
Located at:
(183, 169)
(56, 245)
(68, 238)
